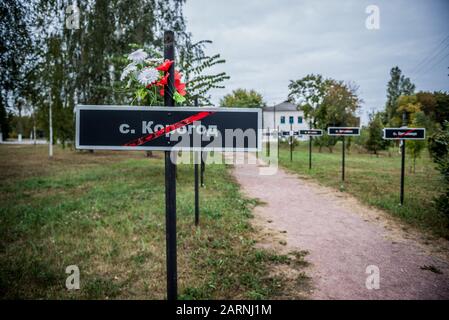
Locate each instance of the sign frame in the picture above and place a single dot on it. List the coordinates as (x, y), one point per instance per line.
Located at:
(343, 135)
(311, 135)
(290, 134)
(403, 138)
(80, 107)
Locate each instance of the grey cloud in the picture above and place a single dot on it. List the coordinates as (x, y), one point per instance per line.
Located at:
(267, 43)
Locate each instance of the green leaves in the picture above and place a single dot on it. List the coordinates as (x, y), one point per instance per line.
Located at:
(243, 98)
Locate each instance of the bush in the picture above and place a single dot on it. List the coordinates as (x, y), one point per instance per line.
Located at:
(439, 150)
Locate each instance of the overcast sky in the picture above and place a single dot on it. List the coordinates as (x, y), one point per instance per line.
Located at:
(267, 43)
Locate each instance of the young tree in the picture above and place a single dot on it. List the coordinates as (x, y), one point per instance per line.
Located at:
(442, 107)
(397, 86)
(374, 141)
(407, 104)
(415, 147)
(308, 93)
(338, 108)
(243, 98)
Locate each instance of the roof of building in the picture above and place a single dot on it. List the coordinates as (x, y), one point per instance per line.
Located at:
(283, 106)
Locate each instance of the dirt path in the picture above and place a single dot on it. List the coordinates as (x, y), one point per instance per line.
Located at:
(343, 237)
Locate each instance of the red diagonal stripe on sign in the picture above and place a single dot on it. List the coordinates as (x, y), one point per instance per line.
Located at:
(406, 132)
(169, 128)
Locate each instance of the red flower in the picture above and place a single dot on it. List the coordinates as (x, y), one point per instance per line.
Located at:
(163, 81)
(180, 87)
(165, 65)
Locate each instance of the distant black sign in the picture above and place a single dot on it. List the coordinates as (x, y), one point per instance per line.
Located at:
(404, 133)
(167, 128)
(311, 132)
(343, 131)
(289, 133)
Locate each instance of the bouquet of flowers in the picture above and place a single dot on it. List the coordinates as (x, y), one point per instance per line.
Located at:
(152, 74)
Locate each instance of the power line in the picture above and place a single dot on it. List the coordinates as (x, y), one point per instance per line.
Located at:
(441, 60)
(423, 67)
(428, 58)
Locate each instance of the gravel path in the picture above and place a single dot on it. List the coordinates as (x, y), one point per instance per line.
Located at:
(343, 237)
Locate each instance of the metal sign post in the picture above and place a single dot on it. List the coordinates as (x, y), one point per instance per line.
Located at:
(289, 134)
(278, 133)
(343, 132)
(310, 149)
(291, 143)
(170, 181)
(202, 169)
(311, 133)
(268, 143)
(403, 134)
(343, 160)
(197, 154)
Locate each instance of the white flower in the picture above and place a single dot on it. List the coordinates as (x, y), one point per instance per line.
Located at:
(138, 55)
(148, 75)
(128, 69)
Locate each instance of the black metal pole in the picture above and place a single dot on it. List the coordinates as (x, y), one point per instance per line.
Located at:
(310, 147)
(278, 142)
(268, 143)
(402, 171)
(404, 123)
(170, 181)
(291, 142)
(203, 168)
(197, 198)
(343, 160)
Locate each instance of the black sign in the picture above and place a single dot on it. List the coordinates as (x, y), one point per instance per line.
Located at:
(289, 133)
(311, 132)
(343, 131)
(404, 133)
(168, 128)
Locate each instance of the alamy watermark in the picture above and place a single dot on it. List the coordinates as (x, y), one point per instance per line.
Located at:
(72, 21)
(373, 280)
(72, 282)
(372, 22)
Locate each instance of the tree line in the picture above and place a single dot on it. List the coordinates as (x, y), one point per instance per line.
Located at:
(55, 53)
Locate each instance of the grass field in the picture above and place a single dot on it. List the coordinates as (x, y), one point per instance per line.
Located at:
(376, 181)
(105, 213)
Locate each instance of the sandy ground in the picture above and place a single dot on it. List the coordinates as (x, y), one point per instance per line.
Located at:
(344, 237)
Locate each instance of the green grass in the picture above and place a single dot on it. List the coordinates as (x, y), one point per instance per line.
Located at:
(105, 213)
(375, 180)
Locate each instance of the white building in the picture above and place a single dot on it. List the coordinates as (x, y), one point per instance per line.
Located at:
(284, 116)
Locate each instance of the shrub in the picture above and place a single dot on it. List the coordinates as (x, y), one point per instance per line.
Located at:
(439, 150)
